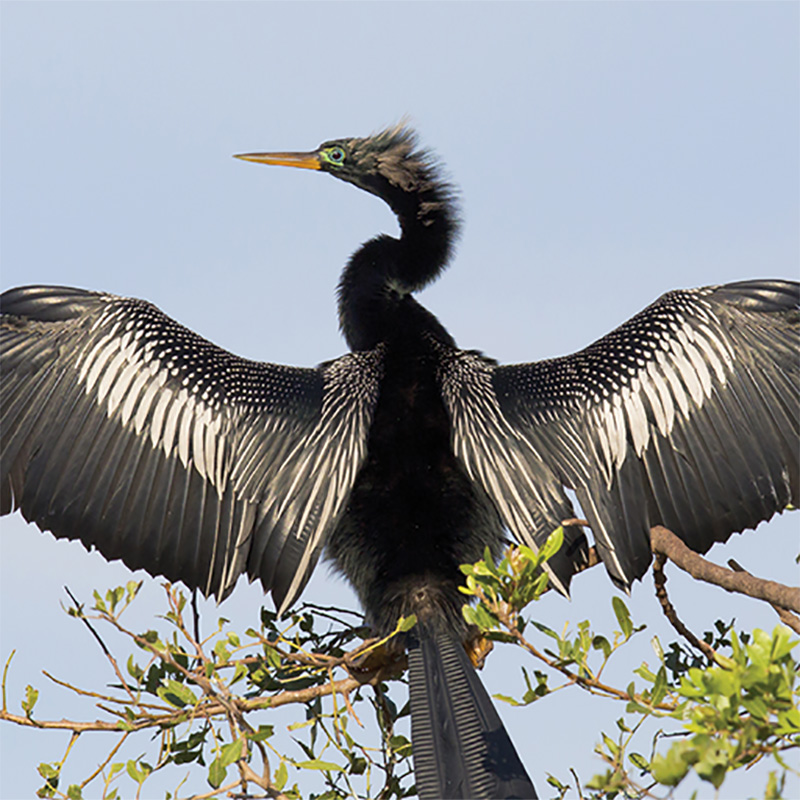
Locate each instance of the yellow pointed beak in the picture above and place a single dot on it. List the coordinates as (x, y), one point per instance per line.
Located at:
(302, 160)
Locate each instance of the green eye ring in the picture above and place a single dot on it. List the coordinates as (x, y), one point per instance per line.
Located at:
(335, 155)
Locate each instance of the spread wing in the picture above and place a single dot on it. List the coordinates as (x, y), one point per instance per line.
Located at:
(127, 431)
(688, 415)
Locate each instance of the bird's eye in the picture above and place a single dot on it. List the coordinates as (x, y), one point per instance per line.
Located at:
(335, 155)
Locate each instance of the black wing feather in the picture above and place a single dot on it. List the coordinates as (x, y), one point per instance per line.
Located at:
(129, 432)
(687, 415)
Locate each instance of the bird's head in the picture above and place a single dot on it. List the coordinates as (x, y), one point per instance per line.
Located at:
(388, 164)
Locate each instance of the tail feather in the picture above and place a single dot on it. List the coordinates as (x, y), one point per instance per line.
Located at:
(461, 749)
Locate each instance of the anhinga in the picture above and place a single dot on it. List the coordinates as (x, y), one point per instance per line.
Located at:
(404, 458)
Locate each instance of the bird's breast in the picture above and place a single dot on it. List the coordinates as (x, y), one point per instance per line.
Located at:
(413, 515)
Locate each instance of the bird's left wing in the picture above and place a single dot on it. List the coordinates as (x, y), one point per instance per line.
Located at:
(688, 415)
(126, 430)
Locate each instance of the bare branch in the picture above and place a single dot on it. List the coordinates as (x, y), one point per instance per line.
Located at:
(786, 617)
(105, 650)
(666, 542)
(660, 581)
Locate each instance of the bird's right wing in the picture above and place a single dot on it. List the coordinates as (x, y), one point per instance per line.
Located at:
(129, 432)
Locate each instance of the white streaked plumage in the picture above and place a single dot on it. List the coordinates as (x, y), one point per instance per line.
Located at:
(646, 380)
(277, 449)
(271, 435)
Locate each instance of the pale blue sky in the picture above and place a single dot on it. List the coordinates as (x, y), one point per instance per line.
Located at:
(606, 153)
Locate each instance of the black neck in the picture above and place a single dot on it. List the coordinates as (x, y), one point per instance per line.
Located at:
(377, 281)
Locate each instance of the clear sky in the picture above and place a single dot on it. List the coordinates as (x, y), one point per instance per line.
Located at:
(606, 153)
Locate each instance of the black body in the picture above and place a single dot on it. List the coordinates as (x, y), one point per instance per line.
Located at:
(405, 457)
(413, 515)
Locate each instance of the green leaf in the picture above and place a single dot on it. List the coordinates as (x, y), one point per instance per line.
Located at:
(547, 631)
(774, 790)
(358, 766)
(216, 774)
(508, 699)
(484, 619)
(31, 696)
(272, 657)
(539, 585)
(469, 614)
(281, 776)
(639, 761)
(553, 781)
(134, 670)
(399, 744)
(113, 596)
(222, 652)
(137, 773)
(552, 545)
(74, 792)
(263, 733)
(238, 673)
(231, 752)
(660, 686)
(623, 617)
(48, 771)
(612, 746)
(601, 643)
(714, 761)
(296, 726)
(670, 769)
(151, 637)
(98, 601)
(782, 644)
(325, 766)
(406, 623)
(177, 694)
(789, 722)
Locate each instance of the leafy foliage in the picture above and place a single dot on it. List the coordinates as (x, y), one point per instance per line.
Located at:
(734, 710)
(194, 697)
(196, 694)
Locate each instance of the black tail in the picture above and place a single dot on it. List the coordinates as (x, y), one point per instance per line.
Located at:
(461, 749)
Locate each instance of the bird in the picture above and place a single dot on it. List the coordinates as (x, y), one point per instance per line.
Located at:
(406, 456)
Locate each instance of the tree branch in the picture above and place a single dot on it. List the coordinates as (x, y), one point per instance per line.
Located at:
(666, 542)
(660, 580)
(786, 617)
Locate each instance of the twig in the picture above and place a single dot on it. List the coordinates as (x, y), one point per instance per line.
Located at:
(79, 614)
(217, 792)
(660, 581)
(5, 678)
(111, 755)
(206, 710)
(786, 617)
(592, 685)
(97, 725)
(666, 542)
(262, 782)
(106, 697)
(105, 650)
(575, 521)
